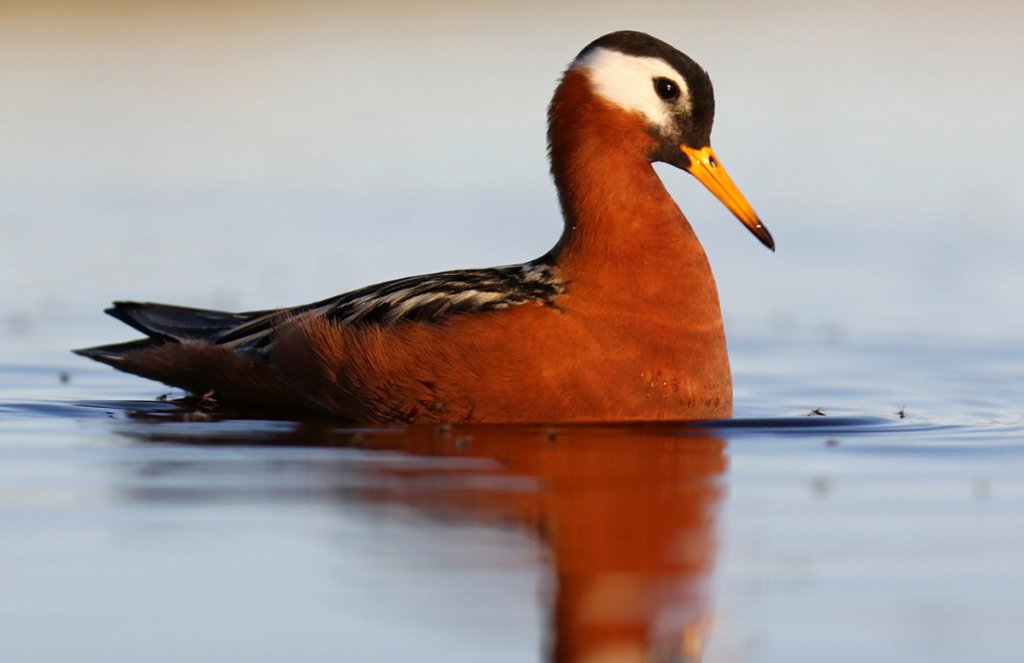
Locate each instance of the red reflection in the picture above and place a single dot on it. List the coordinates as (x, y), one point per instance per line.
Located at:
(628, 515)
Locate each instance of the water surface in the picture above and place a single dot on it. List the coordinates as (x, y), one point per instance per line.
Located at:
(140, 528)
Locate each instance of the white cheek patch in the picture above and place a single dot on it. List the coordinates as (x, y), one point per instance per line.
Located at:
(628, 81)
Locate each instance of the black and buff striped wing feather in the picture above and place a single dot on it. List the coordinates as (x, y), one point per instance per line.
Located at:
(420, 298)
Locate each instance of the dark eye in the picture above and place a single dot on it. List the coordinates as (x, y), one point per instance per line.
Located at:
(666, 89)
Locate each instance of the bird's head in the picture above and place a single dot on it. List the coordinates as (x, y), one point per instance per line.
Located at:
(671, 95)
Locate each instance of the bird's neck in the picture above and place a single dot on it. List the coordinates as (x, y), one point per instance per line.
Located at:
(624, 235)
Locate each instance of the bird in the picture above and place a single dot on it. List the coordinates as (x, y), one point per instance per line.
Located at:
(619, 322)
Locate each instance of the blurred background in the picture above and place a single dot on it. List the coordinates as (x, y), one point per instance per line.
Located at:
(261, 153)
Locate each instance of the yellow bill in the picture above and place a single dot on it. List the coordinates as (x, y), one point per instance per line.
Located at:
(705, 167)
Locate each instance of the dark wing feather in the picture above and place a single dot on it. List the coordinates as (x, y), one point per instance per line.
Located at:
(177, 323)
(418, 298)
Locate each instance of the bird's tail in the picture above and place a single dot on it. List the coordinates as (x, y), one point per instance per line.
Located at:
(163, 323)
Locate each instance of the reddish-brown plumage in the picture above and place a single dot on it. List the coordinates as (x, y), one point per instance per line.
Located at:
(636, 334)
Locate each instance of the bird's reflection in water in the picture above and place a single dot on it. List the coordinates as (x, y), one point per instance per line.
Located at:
(628, 514)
